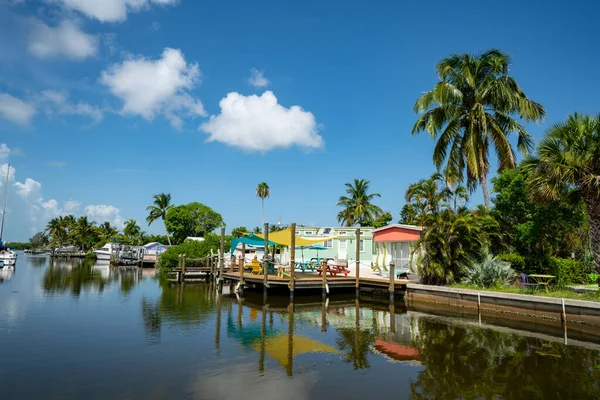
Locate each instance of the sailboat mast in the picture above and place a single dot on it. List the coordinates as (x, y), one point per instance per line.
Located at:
(4, 206)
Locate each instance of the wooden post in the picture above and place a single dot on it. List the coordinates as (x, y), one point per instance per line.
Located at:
(290, 360)
(292, 260)
(392, 317)
(392, 280)
(266, 259)
(357, 261)
(242, 261)
(324, 316)
(218, 325)
(324, 275)
(183, 268)
(222, 256)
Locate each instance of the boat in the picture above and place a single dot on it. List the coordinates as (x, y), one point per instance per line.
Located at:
(8, 257)
(104, 253)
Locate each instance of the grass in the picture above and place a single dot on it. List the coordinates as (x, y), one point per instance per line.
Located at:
(560, 293)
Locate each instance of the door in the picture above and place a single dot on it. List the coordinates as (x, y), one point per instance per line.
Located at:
(342, 249)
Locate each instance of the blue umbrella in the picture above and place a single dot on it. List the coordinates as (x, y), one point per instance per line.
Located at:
(317, 247)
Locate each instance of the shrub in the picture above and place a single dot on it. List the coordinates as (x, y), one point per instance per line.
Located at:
(516, 261)
(490, 272)
(593, 278)
(567, 271)
(192, 249)
(90, 256)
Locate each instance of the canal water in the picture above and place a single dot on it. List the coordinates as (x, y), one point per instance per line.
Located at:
(69, 330)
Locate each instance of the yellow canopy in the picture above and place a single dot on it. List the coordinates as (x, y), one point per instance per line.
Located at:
(284, 237)
(278, 347)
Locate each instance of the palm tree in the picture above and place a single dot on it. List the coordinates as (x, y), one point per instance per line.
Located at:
(471, 109)
(131, 228)
(162, 204)
(83, 232)
(568, 160)
(106, 231)
(263, 191)
(358, 206)
(56, 230)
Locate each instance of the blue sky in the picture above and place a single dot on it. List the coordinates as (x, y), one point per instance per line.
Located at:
(103, 104)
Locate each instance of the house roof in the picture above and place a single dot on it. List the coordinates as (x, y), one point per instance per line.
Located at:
(402, 226)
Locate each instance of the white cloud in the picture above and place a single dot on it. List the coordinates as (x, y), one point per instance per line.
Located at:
(4, 171)
(111, 10)
(28, 189)
(64, 40)
(16, 110)
(150, 87)
(155, 26)
(57, 102)
(102, 212)
(72, 207)
(57, 164)
(259, 123)
(257, 78)
(4, 151)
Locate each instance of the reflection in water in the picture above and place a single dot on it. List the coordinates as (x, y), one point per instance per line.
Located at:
(6, 274)
(492, 364)
(37, 261)
(77, 275)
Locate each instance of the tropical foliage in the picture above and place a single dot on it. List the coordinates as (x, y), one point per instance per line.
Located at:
(358, 207)
(490, 272)
(568, 161)
(263, 191)
(193, 219)
(158, 210)
(192, 249)
(453, 238)
(471, 109)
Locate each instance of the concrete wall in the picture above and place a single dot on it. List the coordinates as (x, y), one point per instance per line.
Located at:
(585, 312)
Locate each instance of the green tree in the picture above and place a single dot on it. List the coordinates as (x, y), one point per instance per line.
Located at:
(383, 220)
(83, 233)
(162, 204)
(358, 208)
(471, 109)
(192, 249)
(193, 219)
(537, 230)
(569, 158)
(239, 232)
(263, 191)
(40, 239)
(56, 229)
(132, 229)
(106, 231)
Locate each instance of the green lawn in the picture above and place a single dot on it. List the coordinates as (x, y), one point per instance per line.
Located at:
(560, 293)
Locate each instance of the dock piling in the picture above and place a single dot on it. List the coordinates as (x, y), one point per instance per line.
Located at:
(324, 276)
(242, 262)
(357, 261)
(266, 259)
(392, 280)
(222, 259)
(292, 260)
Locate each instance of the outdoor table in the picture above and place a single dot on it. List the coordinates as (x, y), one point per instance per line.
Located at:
(542, 280)
(335, 269)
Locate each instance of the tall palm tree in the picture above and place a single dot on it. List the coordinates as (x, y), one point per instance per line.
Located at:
(106, 231)
(568, 160)
(162, 204)
(358, 206)
(471, 109)
(83, 232)
(263, 191)
(56, 230)
(132, 229)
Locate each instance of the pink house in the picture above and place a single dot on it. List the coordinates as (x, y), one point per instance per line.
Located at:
(396, 243)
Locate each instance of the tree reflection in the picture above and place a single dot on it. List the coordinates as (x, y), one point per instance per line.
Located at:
(183, 306)
(72, 277)
(355, 342)
(468, 362)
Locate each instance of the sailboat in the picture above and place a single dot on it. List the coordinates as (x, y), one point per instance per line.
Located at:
(8, 257)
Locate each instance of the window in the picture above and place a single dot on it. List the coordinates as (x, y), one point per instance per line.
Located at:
(328, 244)
(374, 247)
(362, 233)
(307, 233)
(343, 233)
(326, 231)
(362, 245)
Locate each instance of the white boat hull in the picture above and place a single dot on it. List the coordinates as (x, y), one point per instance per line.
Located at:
(102, 255)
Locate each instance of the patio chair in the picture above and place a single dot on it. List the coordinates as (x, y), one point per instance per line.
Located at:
(526, 283)
(255, 265)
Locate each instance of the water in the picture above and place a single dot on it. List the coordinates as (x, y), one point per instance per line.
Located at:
(70, 331)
